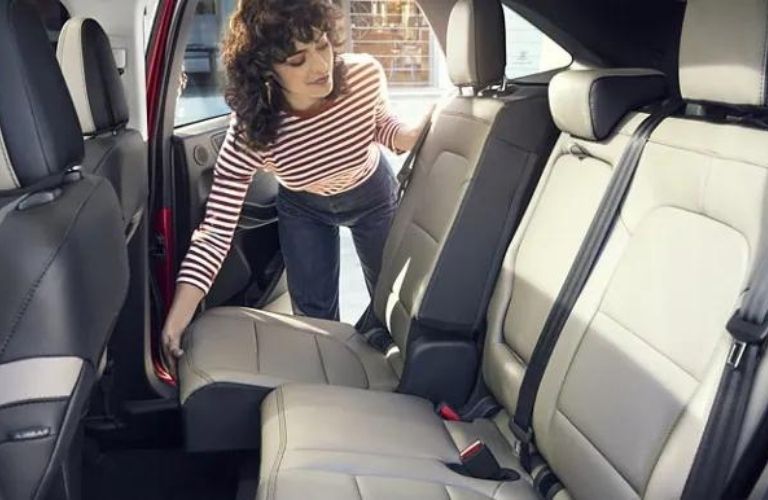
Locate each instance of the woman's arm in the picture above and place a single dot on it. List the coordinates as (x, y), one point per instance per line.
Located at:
(185, 303)
(390, 130)
(211, 241)
(406, 137)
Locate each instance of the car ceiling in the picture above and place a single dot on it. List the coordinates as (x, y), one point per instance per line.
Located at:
(613, 33)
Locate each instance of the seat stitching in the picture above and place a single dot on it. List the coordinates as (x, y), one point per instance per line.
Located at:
(30, 295)
(709, 154)
(447, 492)
(645, 342)
(364, 453)
(357, 486)
(416, 224)
(497, 489)
(322, 361)
(362, 365)
(667, 437)
(189, 360)
(256, 341)
(272, 485)
(456, 485)
(468, 117)
(596, 448)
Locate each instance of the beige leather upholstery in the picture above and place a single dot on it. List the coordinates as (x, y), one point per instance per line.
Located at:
(723, 52)
(423, 227)
(476, 47)
(391, 446)
(8, 178)
(61, 375)
(540, 256)
(382, 426)
(262, 349)
(69, 52)
(625, 398)
(280, 299)
(627, 392)
(282, 304)
(476, 148)
(669, 279)
(472, 180)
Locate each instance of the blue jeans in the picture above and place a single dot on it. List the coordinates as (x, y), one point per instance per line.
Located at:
(309, 238)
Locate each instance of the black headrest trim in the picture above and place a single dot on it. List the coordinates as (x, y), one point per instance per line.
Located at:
(610, 97)
(40, 128)
(105, 89)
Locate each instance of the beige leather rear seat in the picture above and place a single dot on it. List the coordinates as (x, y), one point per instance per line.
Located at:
(626, 394)
(474, 176)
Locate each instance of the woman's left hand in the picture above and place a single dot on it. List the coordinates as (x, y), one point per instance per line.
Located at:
(408, 136)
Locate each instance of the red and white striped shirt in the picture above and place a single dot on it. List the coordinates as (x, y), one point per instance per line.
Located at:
(327, 153)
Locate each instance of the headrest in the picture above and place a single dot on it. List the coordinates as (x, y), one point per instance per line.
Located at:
(589, 103)
(476, 46)
(86, 59)
(723, 52)
(39, 133)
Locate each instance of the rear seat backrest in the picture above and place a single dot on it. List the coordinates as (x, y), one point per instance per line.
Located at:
(472, 178)
(586, 106)
(111, 150)
(628, 389)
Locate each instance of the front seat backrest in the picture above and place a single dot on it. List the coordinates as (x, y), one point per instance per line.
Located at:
(63, 261)
(111, 150)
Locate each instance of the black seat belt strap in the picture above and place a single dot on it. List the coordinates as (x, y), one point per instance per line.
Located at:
(406, 172)
(716, 452)
(591, 247)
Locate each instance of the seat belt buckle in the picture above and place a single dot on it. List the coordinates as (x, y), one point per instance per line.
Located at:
(479, 462)
(744, 333)
(447, 412)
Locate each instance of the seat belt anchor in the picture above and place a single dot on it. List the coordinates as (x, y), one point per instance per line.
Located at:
(524, 437)
(744, 333)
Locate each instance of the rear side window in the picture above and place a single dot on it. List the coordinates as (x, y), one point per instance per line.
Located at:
(529, 51)
(394, 32)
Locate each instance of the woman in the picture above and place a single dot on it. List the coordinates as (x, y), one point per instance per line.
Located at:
(313, 118)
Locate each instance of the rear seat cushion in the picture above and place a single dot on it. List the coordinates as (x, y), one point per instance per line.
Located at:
(376, 426)
(262, 349)
(371, 445)
(376, 423)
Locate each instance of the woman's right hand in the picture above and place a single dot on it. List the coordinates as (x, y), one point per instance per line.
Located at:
(184, 304)
(172, 335)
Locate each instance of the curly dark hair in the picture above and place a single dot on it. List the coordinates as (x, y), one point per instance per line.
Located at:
(262, 33)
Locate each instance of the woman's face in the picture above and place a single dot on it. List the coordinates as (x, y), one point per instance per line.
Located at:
(306, 76)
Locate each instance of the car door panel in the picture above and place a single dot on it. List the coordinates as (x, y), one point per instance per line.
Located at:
(254, 263)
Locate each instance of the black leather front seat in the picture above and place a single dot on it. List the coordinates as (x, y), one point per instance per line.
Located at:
(63, 262)
(112, 149)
